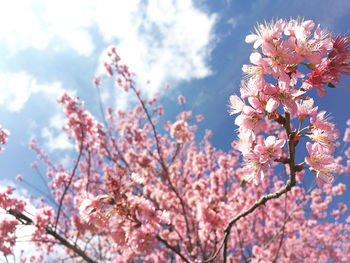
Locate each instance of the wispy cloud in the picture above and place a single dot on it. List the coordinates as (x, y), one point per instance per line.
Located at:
(233, 21)
(160, 39)
(163, 41)
(16, 89)
(55, 138)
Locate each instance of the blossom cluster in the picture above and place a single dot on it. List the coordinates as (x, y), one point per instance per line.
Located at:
(282, 50)
(139, 191)
(3, 137)
(9, 202)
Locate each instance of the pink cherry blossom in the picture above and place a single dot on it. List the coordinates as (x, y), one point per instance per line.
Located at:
(305, 108)
(282, 95)
(135, 192)
(3, 136)
(236, 104)
(266, 33)
(272, 148)
(181, 99)
(180, 131)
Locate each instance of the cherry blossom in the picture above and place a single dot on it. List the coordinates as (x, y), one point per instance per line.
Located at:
(3, 137)
(145, 189)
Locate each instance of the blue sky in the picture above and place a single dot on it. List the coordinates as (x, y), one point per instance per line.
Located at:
(196, 46)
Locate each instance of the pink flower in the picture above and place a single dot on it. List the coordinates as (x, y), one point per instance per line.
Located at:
(327, 139)
(325, 175)
(323, 132)
(236, 104)
(282, 95)
(340, 44)
(19, 178)
(199, 118)
(347, 135)
(267, 33)
(97, 81)
(321, 162)
(137, 178)
(255, 168)
(245, 142)
(318, 157)
(328, 70)
(180, 131)
(272, 148)
(338, 189)
(320, 121)
(3, 136)
(259, 69)
(251, 87)
(181, 100)
(305, 108)
(311, 48)
(249, 119)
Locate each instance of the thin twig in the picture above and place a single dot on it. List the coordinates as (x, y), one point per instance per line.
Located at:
(28, 221)
(287, 187)
(162, 163)
(241, 244)
(283, 229)
(177, 251)
(71, 177)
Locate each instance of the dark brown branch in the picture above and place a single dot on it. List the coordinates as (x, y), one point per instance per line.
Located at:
(283, 229)
(162, 163)
(28, 221)
(241, 244)
(88, 171)
(152, 125)
(69, 245)
(287, 187)
(177, 251)
(71, 177)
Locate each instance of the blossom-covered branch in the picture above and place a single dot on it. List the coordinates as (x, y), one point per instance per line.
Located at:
(145, 189)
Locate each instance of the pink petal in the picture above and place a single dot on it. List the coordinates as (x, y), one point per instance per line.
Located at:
(251, 38)
(255, 58)
(321, 91)
(272, 105)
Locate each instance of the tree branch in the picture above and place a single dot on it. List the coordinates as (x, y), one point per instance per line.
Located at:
(71, 178)
(27, 221)
(177, 251)
(287, 187)
(162, 163)
(283, 229)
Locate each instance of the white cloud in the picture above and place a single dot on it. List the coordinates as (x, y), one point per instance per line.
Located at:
(34, 23)
(233, 21)
(159, 39)
(55, 137)
(16, 89)
(55, 141)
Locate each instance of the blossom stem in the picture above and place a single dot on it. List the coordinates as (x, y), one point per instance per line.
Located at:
(287, 187)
